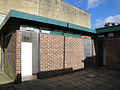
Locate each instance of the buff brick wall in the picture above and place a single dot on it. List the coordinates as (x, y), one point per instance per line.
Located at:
(74, 53)
(112, 53)
(51, 52)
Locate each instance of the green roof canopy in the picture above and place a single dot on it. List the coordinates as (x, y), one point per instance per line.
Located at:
(31, 17)
(26, 16)
(108, 29)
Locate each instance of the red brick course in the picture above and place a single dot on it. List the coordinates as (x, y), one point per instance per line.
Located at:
(18, 52)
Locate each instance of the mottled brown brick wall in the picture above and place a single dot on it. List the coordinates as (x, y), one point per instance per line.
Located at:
(112, 53)
(59, 53)
(51, 52)
(10, 55)
(74, 53)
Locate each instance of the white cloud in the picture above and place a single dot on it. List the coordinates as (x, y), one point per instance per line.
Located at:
(112, 19)
(94, 3)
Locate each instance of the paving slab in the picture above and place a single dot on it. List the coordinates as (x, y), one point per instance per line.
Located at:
(107, 80)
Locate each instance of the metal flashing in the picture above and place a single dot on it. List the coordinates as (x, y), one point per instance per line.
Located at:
(73, 26)
(32, 17)
(26, 16)
(108, 29)
(56, 33)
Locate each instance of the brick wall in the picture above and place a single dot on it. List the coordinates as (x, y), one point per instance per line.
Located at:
(18, 52)
(74, 53)
(59, 52)
(10, 55)
(112, 53)
(54, 55)
(51, 52)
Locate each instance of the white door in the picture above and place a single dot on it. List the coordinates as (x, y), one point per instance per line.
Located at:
(26, 60)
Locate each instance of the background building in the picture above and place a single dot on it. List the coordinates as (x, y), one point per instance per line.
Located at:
(55, 9)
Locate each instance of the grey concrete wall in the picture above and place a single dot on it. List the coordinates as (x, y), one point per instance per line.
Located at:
(55, 9)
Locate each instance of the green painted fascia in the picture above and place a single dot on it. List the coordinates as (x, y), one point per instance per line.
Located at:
(73, 26)
(63, 34)
(72, 35)
(26, 16)
(32, 17)
(110, 29)
(56, 33)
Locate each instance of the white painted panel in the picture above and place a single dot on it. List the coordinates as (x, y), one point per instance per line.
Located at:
(2, 17)
(26, 59)
(44, 31)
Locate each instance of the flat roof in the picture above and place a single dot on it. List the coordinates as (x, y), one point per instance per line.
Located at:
(31, 17)
(108, 29)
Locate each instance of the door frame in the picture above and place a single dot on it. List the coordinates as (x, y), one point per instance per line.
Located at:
(34, 38)
(99, 53)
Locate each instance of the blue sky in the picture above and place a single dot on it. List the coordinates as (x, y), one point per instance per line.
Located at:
(102, 11)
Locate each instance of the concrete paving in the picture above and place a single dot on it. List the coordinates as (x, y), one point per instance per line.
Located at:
(88, 79)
